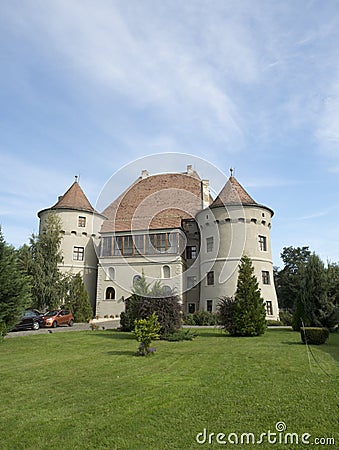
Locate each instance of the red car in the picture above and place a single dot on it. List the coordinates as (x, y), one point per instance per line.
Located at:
(58, 317)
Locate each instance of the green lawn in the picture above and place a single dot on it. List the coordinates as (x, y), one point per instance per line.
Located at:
(87, 390)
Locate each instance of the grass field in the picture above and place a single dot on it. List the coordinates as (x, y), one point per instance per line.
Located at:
(87, 390)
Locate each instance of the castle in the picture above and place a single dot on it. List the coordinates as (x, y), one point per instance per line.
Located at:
(168, 227)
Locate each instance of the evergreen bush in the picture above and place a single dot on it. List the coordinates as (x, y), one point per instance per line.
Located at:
(314, 335)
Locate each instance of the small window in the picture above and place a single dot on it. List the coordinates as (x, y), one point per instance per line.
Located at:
(209, 244)
(253, 220)
(263, 243)
(269, 308)
(166, 272)
(111, 273)
(191, 308)
(191, 282)
(241, 219)
(78, 253)
(265, 277)
(210, 278)
(110, 293)
(191, 252)
(81, 221)
(209, 305)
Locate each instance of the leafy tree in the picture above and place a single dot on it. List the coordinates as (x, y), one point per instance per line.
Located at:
(14, 288)
(288, 280)
(77, 299)
(333, 282)
(145, 300)
(146, 330)
(47, 281)
(249, 312)
(314, 306)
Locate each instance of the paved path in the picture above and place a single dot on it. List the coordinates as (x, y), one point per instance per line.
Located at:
(76, 327)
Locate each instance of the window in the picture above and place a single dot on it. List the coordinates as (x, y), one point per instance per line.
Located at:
(111, 273)
(265, 277)
(191, 252)
(209, 305)
(209, 244)
(128, 245)
(191, 308)
(263, 243)
(78, 253)
(269, 308)
(210, 278)
(81, 221)
(166, 272)
(191, 282)
(118, 245)
(136, 279)
(106, 246)
(110, 293)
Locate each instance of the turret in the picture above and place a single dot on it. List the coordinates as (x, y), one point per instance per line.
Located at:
(80, 235)
(232, 226)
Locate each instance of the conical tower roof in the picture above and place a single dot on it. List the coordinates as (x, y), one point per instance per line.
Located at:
(233, 194)
(74, 198)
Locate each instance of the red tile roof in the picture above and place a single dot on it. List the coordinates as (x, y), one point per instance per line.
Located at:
(74, 198)
(233, 194)
(155, 202)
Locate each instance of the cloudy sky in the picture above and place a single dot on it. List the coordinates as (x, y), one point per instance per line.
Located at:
(87, 87)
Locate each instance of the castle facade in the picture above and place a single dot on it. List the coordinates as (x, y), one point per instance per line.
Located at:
(169, 228)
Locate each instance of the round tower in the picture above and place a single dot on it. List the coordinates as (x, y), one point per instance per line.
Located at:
(80, 235)
(235, 225)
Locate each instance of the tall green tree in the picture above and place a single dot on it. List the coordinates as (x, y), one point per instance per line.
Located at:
(14, 288)
(77, 299)
(249, 315)
(47, 280)
(314, 306)
(288, 280)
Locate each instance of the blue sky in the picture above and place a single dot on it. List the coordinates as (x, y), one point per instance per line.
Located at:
(87, 87)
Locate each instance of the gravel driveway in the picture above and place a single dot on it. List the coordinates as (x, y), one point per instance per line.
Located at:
(76, 327)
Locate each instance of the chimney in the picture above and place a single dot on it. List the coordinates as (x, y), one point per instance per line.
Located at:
(189, 169)
(205, 193)
(144, 174)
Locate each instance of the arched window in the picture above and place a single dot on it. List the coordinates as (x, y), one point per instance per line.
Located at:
(110, 293)
(111, 273)
(136, 279)
(167, 290)
(166, 272)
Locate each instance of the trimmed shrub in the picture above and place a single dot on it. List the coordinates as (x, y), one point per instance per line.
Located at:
(180, 335)
(314, 335)
(188, 319)
(273, 323)
(205, 318)
(167, 309)
(286, 318)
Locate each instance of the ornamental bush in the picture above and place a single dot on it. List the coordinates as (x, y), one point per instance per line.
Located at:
(167, 309)
(146, 331)
(314, 335)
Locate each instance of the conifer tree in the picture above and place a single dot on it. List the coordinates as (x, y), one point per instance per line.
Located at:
(314, 307)
(47, 281)
(14, 288)
(77, 299)
(249, 313)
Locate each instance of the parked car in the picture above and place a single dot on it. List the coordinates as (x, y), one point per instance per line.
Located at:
(30, 319)
(58, 317)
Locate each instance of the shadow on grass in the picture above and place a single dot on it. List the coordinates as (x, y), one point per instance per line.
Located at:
(113, 334)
